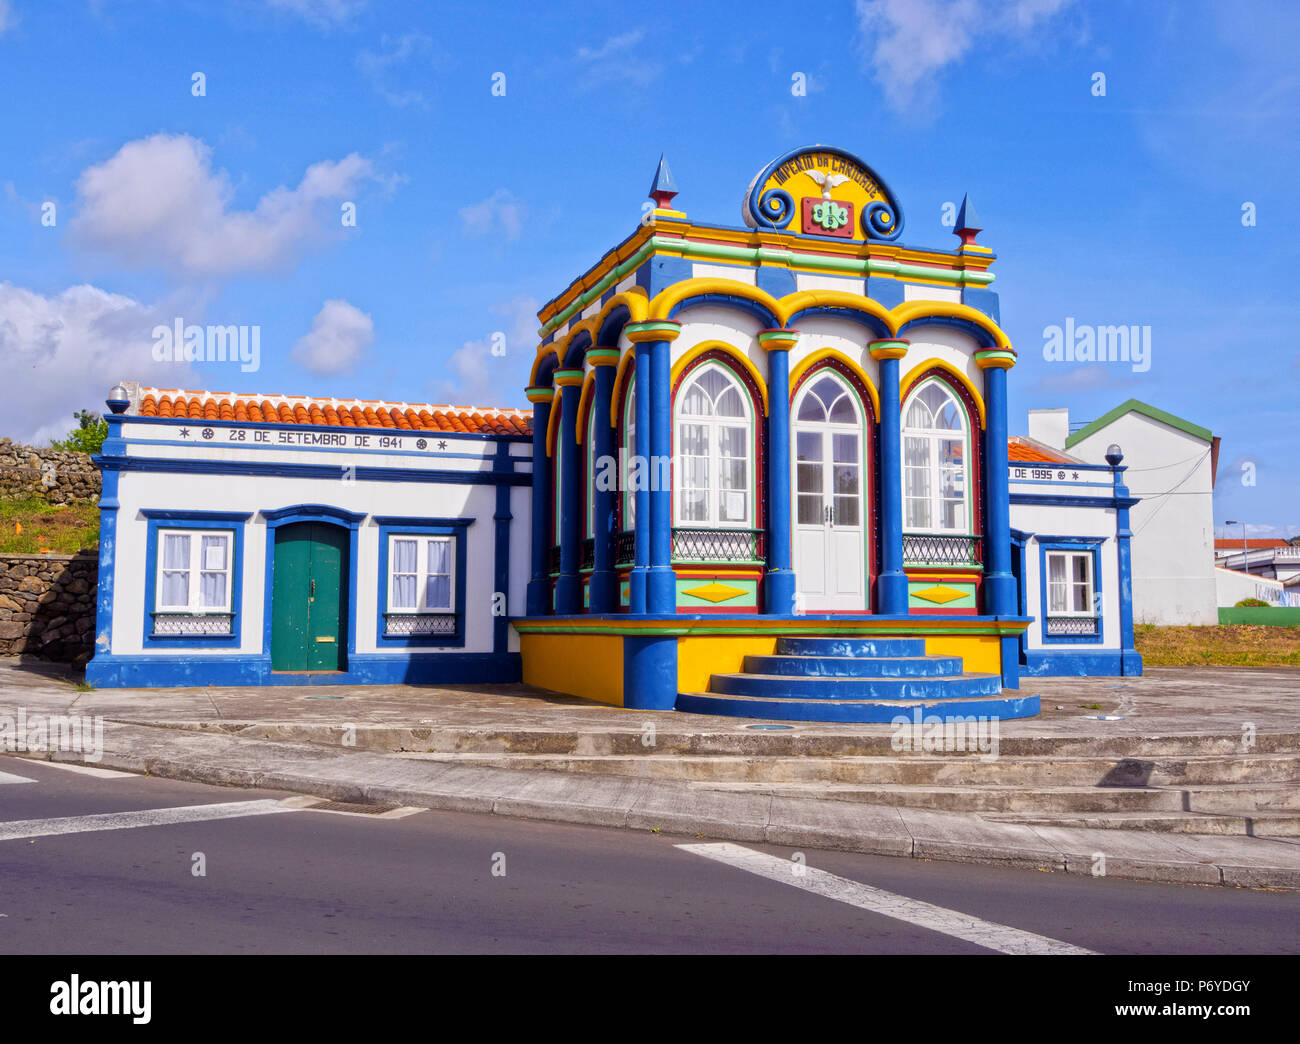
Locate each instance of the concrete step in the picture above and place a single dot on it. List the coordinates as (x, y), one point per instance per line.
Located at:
(861, 707)
(1256, 824)
(851, 646)
(855, 666)
(1230, 799)
(920, 771)
(776, 686)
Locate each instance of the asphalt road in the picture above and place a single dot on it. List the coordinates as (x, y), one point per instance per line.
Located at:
(312, 882)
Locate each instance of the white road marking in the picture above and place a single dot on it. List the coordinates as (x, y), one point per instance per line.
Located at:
(88, 770)
(988, 934)
(9, 777)
(146, 818)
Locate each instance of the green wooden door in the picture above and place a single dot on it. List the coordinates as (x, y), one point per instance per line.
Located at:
(308, 599)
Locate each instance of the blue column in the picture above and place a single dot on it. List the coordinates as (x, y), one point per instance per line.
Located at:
(538, 601)
(661, 581)
(501, 519)
(568, 588)
(891, 584)
(779, 584)
(1130, 658)
(639, 471)
(999, 584)
(604, 580)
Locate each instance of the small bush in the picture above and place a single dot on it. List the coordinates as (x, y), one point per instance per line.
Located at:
(1250, 603)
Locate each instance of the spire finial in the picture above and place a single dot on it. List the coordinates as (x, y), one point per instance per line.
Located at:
(968, 222)
(663, 189)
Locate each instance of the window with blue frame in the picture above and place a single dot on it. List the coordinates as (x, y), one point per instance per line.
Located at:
(192, 580)
(422, 581)
(1071, 589)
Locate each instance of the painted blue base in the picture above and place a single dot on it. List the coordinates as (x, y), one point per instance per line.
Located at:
(149, 672)
(855, 679)
(867, 712)
(1040, 663)
(649, 673)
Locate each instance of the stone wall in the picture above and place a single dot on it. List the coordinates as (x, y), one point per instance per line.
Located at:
(47, 606)
(51, 475)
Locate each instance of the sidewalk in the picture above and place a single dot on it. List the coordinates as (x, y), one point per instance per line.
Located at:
(293, 739)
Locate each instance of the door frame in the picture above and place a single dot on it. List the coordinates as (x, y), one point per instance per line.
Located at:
(324, 515)
(869, 454)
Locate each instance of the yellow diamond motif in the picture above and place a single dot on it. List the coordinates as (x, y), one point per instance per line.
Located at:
(940, 594)
(715, 592)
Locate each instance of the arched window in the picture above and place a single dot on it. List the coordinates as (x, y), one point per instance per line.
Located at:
(714, 451)
(936, 461)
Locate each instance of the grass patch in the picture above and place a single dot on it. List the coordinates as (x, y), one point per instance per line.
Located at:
(31, 526)
(1235, 645)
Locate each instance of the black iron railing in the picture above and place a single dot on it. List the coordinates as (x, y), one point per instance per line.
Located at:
(554, 560)
(942, 549)
(589, 553)
(717, 545)
(1073, 626)
(625, 550)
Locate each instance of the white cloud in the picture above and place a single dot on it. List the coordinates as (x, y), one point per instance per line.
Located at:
(322, 13)
(617, 61)
(383, 67)
(157, 202)
(477, 377)
(910, 42)
(8, 16)
(340, 335)
(63, 353)
(502, 211)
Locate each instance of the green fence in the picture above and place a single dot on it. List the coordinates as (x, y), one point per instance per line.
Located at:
(1270, 616)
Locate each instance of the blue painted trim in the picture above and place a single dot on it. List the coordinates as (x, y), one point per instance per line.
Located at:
(650, 673)
(661, 581)
(999, 586)
(603, 586)
(502, 519)
(324, 428)
(568, 586)
(1058, 483)
(981, 336)
(863, 319)
(538, 601)
(226, 522)
(779, 586)
(455, 527)
(106, 577)
(1040, 663)
(1131, 661)
(1091, 545)
(637, 594)
(325, 471)
(425, 455)
(109, 672)
(742, 304)
(1044, 500)
(327, 515)
(891, 584)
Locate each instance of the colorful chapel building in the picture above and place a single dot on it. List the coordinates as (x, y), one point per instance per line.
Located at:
(767, 473)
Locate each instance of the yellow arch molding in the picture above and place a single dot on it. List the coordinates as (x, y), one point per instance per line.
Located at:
(625, 363)
(904, 313)
(553, 422)
(812, 360)
(929, 364)
(798, 301)
(584, 402)
(689, 357)
(637, 305)
(666, 300)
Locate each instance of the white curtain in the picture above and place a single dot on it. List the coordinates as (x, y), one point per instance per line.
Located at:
(403, 568)
(176, 565)
(437, 592)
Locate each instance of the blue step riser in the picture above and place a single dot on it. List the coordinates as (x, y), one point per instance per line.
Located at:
(856, 667)
(702, 703)
(851, 646)
(855, 688)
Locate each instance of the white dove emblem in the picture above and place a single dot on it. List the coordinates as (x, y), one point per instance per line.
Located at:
(826, 181)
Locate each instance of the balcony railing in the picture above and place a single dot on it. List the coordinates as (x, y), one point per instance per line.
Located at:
(554, 560)
(717, 545)
(417, 624)
(207, 625)
(589, 553)
(942, 549)
(625, 550)
(1073, 626)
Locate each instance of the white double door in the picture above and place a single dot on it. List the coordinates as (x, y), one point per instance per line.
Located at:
(829, 535)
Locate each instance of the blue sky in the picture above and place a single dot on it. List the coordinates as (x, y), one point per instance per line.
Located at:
(473, 209)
